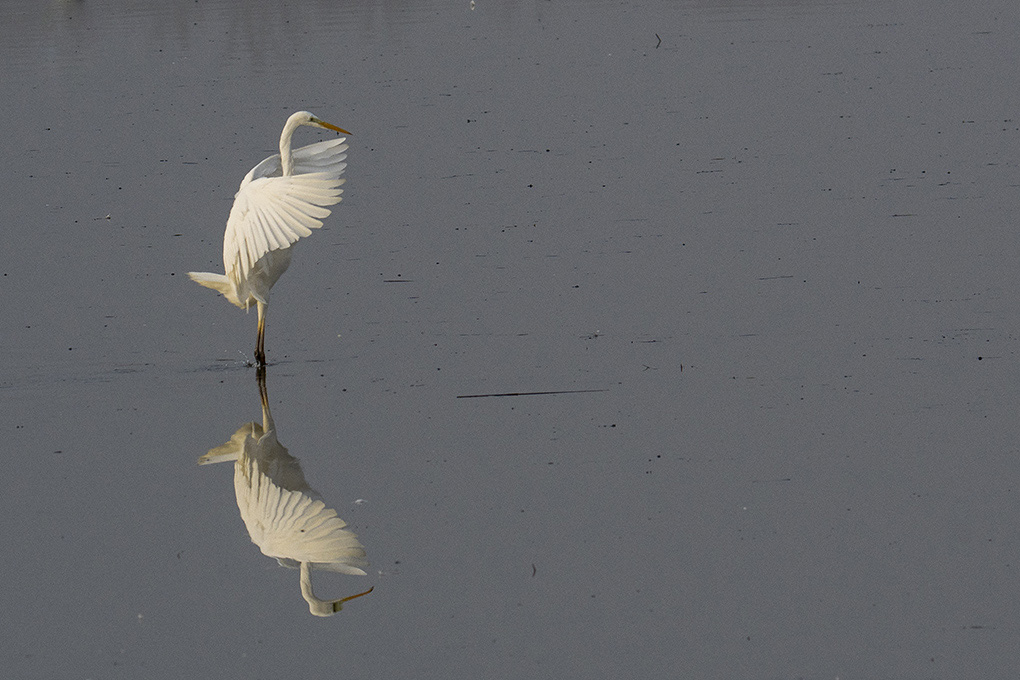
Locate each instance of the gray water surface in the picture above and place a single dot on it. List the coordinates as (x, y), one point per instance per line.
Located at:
(759, 257)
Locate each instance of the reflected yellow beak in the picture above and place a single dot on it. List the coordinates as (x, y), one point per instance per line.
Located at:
(330, 126)
(338, 604)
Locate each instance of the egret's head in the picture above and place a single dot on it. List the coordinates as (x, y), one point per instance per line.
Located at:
(322, 607)
(327, 608)
(306, 118)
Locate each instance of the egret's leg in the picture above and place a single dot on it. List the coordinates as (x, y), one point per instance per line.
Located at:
(260, 343)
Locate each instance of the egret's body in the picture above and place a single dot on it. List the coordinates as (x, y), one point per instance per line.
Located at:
(280, 200)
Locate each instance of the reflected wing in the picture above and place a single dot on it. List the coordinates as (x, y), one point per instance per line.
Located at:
(294, 526)
(272, 212)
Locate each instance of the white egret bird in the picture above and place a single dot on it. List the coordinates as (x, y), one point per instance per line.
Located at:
(284, 516)
(280, 200)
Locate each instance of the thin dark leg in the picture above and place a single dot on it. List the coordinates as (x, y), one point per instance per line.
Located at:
(260, 343)
(267, 417)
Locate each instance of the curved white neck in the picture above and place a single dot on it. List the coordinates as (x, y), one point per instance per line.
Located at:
(286, 159)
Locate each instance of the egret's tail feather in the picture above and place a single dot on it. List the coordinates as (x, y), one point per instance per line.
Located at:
(233, 449)
(218, 282)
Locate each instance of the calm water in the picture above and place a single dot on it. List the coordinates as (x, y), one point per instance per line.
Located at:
(762, 252)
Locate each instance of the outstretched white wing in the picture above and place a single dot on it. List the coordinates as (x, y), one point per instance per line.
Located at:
(294, 526)
(272, 212)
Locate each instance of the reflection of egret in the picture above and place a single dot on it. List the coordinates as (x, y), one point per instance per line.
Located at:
(285, 517)
(280, 200)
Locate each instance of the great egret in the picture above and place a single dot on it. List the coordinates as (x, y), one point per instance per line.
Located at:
(284, 516)
(280, 200)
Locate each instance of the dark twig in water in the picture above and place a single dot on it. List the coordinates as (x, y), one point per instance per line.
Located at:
(658, 43)
(524, 394)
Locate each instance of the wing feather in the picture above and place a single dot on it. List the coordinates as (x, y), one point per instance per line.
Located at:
(276, 230)
(257, 242)
(271, 212)
(325, 156)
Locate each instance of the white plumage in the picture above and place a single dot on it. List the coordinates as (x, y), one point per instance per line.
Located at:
(280, 201)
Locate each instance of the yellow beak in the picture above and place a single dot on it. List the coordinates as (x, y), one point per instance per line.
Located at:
(330, 126)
